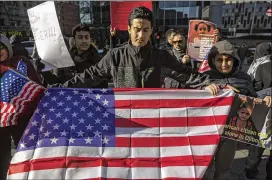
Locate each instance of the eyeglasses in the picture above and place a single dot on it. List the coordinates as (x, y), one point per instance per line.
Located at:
(177, 42)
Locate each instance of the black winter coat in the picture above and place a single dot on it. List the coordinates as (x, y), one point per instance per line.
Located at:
(130, 67)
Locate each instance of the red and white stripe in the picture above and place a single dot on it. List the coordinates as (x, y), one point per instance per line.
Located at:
(204, 66)
(17, 105)
(161, 134)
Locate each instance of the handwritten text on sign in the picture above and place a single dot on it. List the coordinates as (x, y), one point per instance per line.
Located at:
(48, 37)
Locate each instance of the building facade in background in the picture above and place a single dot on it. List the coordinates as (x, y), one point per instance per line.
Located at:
(85, 12)
(14, 18)
(247, 17)
(68, 14)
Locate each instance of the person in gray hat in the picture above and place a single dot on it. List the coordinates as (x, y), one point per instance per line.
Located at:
(10, 61)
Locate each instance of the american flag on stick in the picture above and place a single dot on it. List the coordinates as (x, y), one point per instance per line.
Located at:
(121, 134)
(17, 95)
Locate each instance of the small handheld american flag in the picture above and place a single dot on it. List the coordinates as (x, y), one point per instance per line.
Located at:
(17, 94)
(204, 66)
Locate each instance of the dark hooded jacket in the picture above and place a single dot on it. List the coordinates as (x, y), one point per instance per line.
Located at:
(130, 66)
(235, 78)
(13, 60)
(260, 69)
(17, 46)
(177, 55)
(166, 47)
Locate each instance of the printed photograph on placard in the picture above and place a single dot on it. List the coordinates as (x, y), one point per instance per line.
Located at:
(201, 38)
(249, 122)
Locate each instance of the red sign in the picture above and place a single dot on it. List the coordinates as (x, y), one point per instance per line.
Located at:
(120, 12)
(269, 12)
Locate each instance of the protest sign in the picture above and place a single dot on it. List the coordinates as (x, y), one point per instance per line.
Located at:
(121, 10)
(48, 36)
(200, 39)
(249, 122)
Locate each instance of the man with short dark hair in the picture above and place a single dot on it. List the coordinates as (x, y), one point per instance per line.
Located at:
(136, 64)
(84, 55)
(168, 36)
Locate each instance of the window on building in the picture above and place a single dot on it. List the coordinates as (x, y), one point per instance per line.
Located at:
(262, 19)
(225, 24)
(226, 10)
(242, 17)
(244, 24)
(19, 23)
(2, 22)
(255, 20)
(223, 20)
(269, 20)
(258, 23)
(229, 20)
(206, 3)
(265, 22)
(248, 17)
(246, 10)
(236, 5)
(260, 9)
(233, 10)
(250, 2)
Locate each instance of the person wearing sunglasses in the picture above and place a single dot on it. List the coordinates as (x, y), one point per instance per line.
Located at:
(178, 49)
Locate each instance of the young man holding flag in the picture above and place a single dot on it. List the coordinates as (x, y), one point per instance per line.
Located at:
(11, 84)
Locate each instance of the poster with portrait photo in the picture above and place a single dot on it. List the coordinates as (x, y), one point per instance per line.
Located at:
(248, 122)
(200, 38)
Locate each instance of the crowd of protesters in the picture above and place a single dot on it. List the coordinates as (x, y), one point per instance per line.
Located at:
(139, 64)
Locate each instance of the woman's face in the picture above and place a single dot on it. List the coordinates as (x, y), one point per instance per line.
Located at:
(243, 114)
(3, 53)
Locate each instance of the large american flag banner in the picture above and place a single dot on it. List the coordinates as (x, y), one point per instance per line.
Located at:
(17, 94)
(119, 134)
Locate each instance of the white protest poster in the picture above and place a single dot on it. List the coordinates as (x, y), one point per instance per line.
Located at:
(48, 37)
